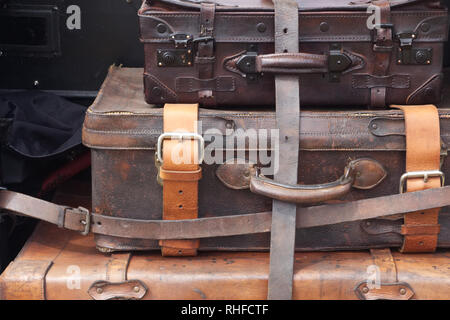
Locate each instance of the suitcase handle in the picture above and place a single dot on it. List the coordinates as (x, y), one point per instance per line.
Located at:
(361, 174)
(294, 63)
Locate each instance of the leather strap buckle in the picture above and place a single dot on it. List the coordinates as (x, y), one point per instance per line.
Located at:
(87, 220)
(181, 136)
(421, 174)
(379, 43)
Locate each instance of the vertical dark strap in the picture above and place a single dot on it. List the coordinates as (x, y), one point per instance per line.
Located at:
(205, 58)
(383, 50)
(282, 244)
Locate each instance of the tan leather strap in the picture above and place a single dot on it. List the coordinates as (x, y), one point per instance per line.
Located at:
(180, 173)
(116, 269)
(383, 49)
(383, 259)
(423, 147)
(116, 285)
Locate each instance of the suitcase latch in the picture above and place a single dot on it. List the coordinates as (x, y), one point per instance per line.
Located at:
(407, 55)
(181, 56)
(181, 40)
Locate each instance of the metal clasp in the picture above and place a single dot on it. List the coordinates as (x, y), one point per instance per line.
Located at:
(181, 136)
(86, 222)
(406, 39)
(181, 39)
(378, 43)
(421, 174)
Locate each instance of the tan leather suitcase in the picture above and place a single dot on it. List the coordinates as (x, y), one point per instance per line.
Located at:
(58, 264)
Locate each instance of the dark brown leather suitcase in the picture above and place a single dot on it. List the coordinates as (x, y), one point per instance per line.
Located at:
(122, 132)
(222, 52)
(59, 264)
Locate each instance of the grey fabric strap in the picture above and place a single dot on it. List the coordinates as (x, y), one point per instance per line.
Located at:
(283, 228)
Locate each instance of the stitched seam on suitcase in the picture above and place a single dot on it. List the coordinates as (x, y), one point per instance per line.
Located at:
(151, 132)
(246, 116)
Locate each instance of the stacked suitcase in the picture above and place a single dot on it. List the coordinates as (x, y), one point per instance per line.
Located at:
(204, 224)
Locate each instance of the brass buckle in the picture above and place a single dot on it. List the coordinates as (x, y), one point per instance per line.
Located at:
(421, 174)
(180, 136)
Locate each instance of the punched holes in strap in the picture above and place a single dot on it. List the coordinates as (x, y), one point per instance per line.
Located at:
(180, 172)
(423, 146)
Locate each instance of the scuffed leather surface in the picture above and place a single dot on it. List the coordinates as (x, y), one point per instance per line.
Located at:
(219, 275)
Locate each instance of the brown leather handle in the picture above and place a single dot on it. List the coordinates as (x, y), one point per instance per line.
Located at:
(291, 63)
(362, 174)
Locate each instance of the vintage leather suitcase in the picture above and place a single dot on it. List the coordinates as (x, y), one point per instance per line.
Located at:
(59, 264)
(122, 132)
(222, 52)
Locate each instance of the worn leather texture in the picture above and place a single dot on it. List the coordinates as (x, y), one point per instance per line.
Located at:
(180, 173)
(122, 131)
(423, 148)
(240, 27)
(218, 275)
(284, 214)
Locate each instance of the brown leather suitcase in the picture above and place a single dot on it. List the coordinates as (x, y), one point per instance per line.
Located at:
(58, 264)
(222, 52)
(122, 132)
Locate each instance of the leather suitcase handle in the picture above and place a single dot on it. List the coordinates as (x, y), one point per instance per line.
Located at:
(301, 193)
(291, 63)
(361, 174)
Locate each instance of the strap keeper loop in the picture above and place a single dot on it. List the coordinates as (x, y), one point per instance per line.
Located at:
(180, 175)
(423, 229)
(62, 217)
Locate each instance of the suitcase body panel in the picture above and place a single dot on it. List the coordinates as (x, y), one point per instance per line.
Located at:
(239, 29)
(122, 132)
(75, 265)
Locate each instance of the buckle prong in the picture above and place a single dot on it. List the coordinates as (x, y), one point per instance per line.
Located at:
(87, 220)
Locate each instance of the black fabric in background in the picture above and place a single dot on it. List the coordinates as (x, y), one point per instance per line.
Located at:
(36, 128)
(39, 132)
(43, 124)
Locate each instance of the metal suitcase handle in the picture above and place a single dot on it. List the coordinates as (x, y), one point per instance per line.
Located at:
(360, 174)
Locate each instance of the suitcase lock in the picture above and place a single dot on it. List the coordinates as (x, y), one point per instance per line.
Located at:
(183, 54)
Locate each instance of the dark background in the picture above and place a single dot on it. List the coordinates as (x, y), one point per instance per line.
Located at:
(109, 35)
